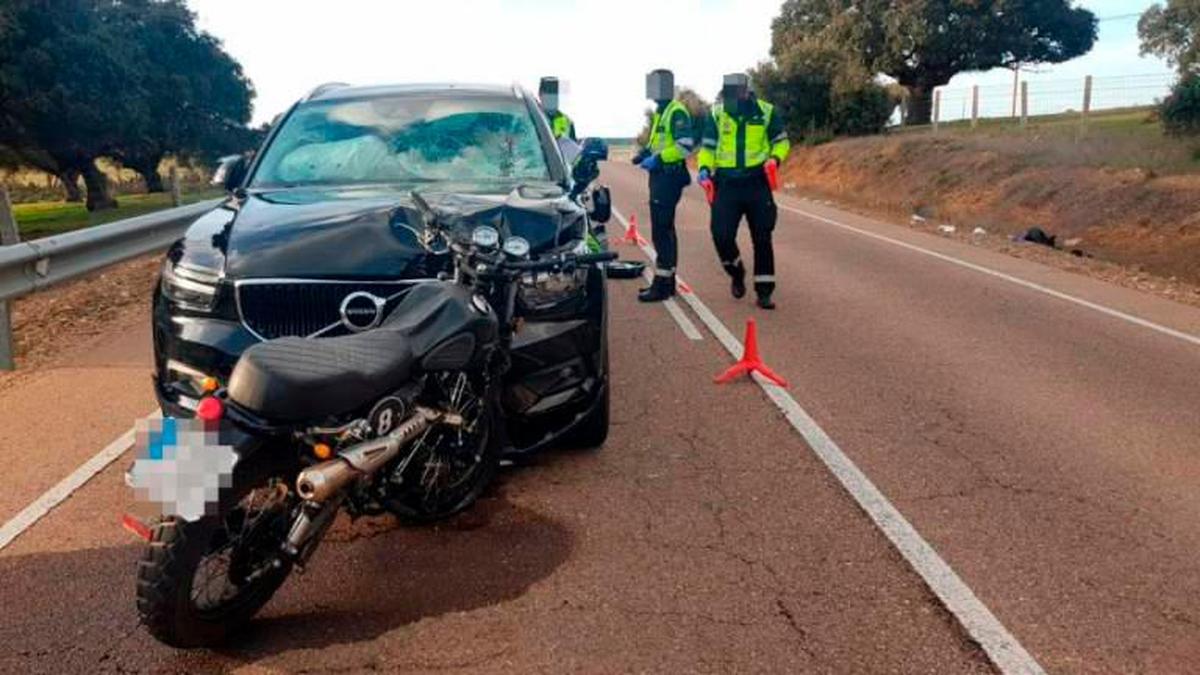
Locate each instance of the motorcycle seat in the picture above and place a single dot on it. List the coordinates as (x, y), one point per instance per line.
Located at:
(299, 379)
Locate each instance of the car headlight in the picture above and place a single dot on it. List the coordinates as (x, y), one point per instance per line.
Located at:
(544, 290)
(188, 286)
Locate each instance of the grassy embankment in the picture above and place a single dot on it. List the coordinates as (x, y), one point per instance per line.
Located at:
(1129, 193)
(43, 219)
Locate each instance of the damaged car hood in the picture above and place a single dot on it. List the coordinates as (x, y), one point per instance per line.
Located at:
(370, 233)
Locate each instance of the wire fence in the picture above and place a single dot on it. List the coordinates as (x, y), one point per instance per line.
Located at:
(1035, 98)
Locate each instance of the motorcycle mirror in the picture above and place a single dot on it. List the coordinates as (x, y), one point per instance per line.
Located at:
(432, 238)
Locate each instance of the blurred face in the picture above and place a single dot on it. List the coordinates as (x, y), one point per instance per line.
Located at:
(733, 94)
(660, 86)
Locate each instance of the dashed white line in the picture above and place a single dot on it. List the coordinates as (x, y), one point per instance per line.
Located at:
(1115, 313)
(60, 492)
(1004, 651)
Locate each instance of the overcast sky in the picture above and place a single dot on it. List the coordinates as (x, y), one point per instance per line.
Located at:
(601, 48)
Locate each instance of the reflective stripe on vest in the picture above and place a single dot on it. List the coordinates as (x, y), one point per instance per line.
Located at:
(758, 146)
(661, 134)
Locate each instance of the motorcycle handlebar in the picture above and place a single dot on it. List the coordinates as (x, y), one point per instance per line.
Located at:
(561, 261)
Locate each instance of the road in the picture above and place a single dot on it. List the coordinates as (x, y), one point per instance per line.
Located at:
(1036, 437)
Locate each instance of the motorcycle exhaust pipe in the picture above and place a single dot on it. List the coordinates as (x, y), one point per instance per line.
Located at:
(320, 482)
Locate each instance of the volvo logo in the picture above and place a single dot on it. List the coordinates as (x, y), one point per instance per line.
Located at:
(361, 311)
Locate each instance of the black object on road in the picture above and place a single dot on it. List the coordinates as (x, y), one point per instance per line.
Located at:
(625, 269)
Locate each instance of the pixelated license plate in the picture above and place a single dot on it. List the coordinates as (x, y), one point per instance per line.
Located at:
(181, 468)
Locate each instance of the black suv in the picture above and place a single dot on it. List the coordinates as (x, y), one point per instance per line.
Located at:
(317, 240)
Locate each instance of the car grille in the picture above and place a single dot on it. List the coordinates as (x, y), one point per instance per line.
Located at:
(274, 309)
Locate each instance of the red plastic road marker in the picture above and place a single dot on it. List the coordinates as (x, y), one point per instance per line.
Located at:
(632, 236)
(684, 288)
(631, 232)
(751, 362)
(137, 527)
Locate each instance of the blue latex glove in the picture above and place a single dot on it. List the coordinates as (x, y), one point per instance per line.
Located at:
(651, 163)
(706, 182)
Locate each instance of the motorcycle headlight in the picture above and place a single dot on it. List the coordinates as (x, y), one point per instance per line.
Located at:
(188, 286)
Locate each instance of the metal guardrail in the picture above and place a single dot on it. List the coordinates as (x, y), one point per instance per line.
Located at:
(34, 265)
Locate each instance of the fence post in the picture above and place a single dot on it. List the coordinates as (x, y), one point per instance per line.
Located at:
(8, 237)
(1087, 96)
(937, 108)
(1087, 106)
(176, 197)
(974, 106)
(1024, 103)
(1016, 78)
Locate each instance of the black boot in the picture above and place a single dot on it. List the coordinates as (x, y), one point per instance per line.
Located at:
(765, 301)
(738, 286)
(660, 289)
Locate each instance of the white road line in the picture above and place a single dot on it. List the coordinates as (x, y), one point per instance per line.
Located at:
(1115, 313)
(60, 492)
(1000, 646)
(685, 324)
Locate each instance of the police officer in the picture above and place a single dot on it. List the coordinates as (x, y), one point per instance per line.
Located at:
(743, 144)
(664, 157)
(560, 124)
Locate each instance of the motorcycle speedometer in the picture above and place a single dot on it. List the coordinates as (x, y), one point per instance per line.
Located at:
(485, 237)
(517, 247)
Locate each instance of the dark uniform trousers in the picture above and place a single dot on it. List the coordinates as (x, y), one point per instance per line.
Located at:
(666, 187)
(748, 196)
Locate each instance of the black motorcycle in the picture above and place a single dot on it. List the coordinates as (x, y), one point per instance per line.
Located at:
(422, 439)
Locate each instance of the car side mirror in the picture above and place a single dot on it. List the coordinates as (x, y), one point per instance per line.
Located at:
(595, 148)
(587, 163)
(601, 205)
(231, 173)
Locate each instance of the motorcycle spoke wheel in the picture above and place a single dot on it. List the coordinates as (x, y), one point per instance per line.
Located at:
(200, 581)
(449, 466)
(242, 550)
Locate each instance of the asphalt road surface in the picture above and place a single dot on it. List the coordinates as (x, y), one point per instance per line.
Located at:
(1035, 429)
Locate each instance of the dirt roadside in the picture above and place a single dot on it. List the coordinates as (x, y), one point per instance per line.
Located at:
(49, 324)
(1135, 228)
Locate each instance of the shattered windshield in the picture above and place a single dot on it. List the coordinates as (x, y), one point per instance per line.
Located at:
(405, 139)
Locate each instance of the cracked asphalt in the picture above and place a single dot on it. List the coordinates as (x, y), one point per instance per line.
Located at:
(1047, 452)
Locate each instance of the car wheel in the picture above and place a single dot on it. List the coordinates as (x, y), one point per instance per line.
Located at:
(592, 432)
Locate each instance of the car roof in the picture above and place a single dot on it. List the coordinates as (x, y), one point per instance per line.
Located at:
(335, 91)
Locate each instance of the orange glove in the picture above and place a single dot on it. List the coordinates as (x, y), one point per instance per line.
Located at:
(771, 168)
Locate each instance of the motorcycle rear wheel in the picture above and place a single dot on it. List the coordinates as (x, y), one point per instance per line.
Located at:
(182, 560)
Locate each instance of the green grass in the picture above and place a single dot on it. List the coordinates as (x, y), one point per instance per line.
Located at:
(1133, 120)
(43, 219)
(1118, 139)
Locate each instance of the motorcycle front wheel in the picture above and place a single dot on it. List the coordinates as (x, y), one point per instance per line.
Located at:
(200, 582)
(449, 467)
